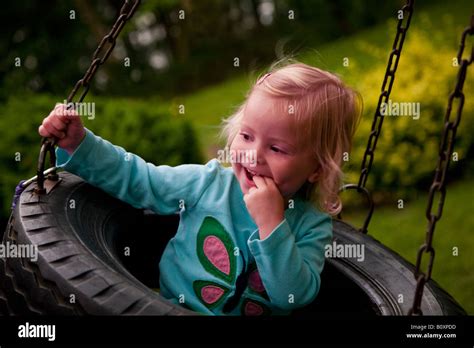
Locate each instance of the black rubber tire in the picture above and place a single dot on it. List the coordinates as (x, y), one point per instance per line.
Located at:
(65, 265)
(374, 286)
(80, 253)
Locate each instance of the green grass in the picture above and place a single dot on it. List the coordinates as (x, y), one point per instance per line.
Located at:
(403, 230)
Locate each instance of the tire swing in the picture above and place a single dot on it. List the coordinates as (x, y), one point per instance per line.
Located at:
(81, 267)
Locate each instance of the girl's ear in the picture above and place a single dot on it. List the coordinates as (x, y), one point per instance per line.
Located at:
(314, 176)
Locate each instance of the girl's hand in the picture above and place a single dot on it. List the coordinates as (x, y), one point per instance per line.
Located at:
(265, 204)
(64, 125)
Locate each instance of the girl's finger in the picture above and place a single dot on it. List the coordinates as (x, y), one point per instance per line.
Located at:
(51, 123)
(259, 181)
(43, 132)
(58, 123)
(53, 131)
(269, 182)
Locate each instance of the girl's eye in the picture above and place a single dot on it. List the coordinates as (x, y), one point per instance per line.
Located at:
(245, 136)
(277, 150)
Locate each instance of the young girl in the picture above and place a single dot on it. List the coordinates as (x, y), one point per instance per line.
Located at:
(251, 237)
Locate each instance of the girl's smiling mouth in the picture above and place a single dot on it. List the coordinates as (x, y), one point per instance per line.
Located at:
(249, 173)
(248, 177)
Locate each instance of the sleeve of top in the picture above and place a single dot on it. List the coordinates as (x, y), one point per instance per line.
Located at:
(290, 267)
(129, 178)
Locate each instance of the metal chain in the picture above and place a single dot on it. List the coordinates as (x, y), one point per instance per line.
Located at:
(387, 84)
(126, 12)
(389, 78)
(107, 44)
(439, 181)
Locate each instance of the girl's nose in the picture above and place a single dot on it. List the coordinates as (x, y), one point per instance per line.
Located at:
(257, 153)
(260, 158)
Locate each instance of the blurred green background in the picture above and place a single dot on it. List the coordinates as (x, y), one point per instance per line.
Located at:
(190, 61)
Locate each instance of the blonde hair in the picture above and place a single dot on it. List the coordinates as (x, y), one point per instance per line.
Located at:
(326, 114)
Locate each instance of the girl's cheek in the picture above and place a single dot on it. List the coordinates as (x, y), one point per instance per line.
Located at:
(234, 146)
(285, 173)
(237, 144)
(278, 172)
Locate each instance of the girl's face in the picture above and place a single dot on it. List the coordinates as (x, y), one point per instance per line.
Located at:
(270, 137)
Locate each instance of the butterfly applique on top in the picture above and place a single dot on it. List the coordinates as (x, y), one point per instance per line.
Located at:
(215, 250)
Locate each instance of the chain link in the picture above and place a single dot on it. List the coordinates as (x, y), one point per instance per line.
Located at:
(439, 182)
(107, 44)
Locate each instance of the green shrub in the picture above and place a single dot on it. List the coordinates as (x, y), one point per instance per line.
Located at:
(141, 127)
(407, 150)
